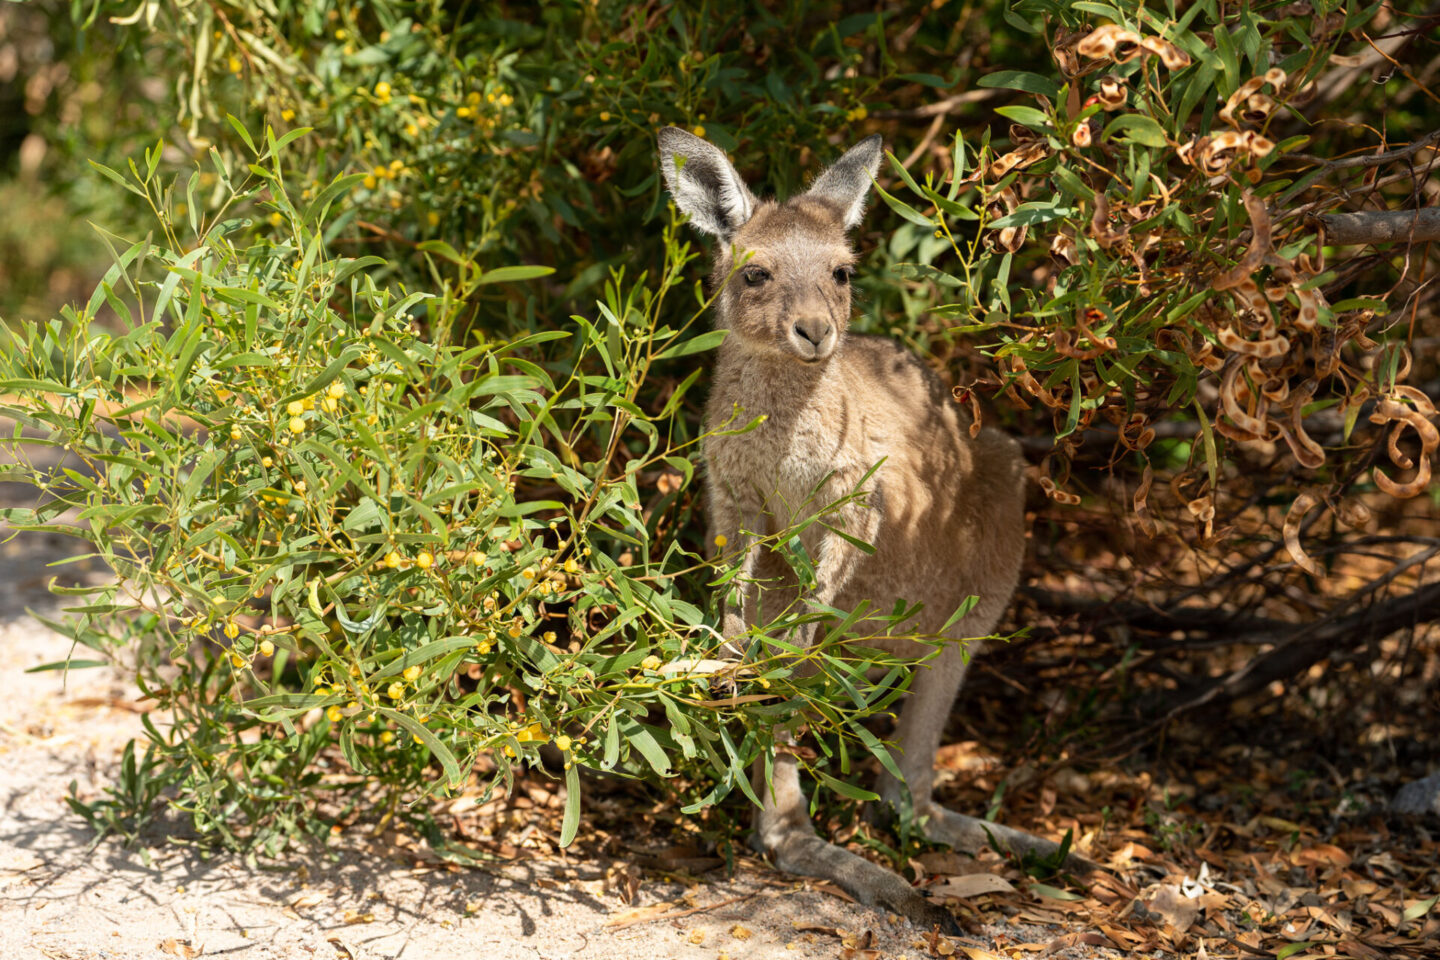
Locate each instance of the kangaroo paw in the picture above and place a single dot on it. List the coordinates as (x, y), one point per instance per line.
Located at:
(872, 885)
(971, 835)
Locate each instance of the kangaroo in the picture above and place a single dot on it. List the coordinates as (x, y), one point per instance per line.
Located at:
(943, 511)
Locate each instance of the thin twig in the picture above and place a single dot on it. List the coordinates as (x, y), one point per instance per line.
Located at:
(951, 104)
(1371, 159)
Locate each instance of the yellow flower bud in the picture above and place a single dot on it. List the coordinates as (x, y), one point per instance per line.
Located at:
(297, 425)
(411, 673)
(392, 559)
(651, 662)
(424, 560)
(395, 691)
(563, 742)
(333, 714)
(267, 649)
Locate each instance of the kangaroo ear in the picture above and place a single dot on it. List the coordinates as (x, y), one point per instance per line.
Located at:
(704, 184)
(846, 184)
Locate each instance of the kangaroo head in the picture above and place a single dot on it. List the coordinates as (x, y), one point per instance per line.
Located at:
(790, 296)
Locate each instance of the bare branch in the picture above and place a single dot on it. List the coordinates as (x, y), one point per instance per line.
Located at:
(939, 107)
(1372, 159)
(1381, 226)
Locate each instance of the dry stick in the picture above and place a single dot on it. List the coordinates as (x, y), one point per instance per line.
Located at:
(940, 107)
(1371, 159)
(1381, 226)
(925, 141)
(1312, 642)
(675, 915)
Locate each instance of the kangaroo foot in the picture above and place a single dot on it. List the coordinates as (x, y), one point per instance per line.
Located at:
(971, 835)
(806, 854)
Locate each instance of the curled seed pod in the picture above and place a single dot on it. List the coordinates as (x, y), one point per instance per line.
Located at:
(1018, 159)
(1112, 95)
(1111, 42)
(969, 395)
(1251, 427)
(1142, 505)
(1063, 249)
(1172, 56)
(1306, 451)
(1276, 346)
(1295, 516)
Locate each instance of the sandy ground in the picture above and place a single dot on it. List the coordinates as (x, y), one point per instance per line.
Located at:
(63, 897)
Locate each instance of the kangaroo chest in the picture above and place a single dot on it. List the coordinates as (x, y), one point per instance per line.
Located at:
(782, 464)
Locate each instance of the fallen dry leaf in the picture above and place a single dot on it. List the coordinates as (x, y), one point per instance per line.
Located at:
(971, 885)
(1178, 911)
(640, 914)
(178, 948)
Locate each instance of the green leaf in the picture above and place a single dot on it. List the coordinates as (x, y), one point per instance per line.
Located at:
(1418, 910)
(116, 177)
(1028, 116)
(1021, 80)
(904, 209)
(513, 274)
(706, 341)
(1290, 949)
(843, 788)
(640, 737)
(67, 665)
(1054, 893)
(571, 822)
(453, 775)
(244, 134)
(1137, 128)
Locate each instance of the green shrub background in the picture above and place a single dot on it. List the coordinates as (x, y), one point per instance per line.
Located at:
(388, 399)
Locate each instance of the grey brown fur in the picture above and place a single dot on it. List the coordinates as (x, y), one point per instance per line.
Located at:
(944, 512)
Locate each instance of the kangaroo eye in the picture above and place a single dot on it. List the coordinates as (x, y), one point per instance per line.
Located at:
(842, 275)
(754, 276)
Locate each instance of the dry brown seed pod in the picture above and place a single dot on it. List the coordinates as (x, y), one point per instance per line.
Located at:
(1253, 427)
(1110, 41)
(1172, 56)
(1303, 504)
(1142, 505)
(972, 397)
(1112, 95)
(1018, 159)
(1275, 346)
(1063, 249)
(1306, 451)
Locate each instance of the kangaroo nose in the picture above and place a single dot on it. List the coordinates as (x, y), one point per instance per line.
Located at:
(813, 330)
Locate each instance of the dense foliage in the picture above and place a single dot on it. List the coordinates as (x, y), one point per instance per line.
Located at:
(387, 404)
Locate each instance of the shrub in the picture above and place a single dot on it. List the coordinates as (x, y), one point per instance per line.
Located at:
(335, 531)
